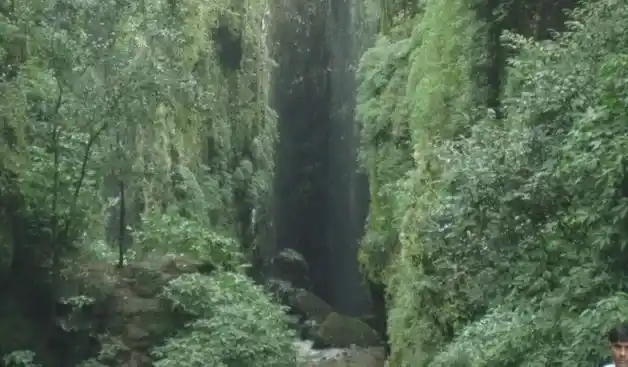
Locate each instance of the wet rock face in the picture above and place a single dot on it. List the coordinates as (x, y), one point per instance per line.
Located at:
(289, 265)
(139, 317)
(131, 312)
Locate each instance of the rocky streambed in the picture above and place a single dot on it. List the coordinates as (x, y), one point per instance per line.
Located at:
(127, 308)
(339, 357)
(328, 338)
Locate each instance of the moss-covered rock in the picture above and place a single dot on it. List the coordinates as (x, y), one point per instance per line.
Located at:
(305, 304)
(311, 306)
(342, 331)
(131, 312)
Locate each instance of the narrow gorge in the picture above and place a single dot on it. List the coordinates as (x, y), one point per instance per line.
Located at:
(312, 183)
(147, 145)
(321, 198)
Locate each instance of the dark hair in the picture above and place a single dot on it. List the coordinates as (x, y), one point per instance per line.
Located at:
(618, 334)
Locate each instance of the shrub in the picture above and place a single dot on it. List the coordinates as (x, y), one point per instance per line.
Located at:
(20, 358)
(529, 337)
(172, 233)
(237, 325)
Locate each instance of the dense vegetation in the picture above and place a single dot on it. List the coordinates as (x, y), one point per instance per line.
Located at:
(496, 148)
(493, 134)
(130, 129)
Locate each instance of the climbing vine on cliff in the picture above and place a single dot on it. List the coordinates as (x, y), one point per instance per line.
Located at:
(122, 117)
(134, 96)
(507, 206)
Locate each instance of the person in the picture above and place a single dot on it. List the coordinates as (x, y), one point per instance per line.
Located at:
(618, 339)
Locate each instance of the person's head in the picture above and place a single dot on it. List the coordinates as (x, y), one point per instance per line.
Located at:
(618, 338)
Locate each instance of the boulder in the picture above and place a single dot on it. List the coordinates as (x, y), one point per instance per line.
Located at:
(310, 306)
(340, 331)
(301, 302)
(128, 305)
(290, 265)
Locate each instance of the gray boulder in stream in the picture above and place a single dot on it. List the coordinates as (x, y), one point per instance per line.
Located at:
(340, 331)
(301, 302)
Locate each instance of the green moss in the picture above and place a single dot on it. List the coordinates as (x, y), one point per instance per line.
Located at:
(343, 331)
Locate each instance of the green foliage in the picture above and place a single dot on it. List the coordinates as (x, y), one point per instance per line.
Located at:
(99, 92)
(386, 152)
(512, 231)
(56, 182)
(189, 193)
(100, 98)
(400, 120)
(20, 358)
(440, 64)
(171, 233)
(508, 338)
(237, 324)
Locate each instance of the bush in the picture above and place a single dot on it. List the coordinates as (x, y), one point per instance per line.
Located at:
(20, 358)
(237, 325)
(172, 233)
(525, 337)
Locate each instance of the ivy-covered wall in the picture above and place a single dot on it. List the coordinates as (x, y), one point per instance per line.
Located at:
(129, 129)
(494, 207)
